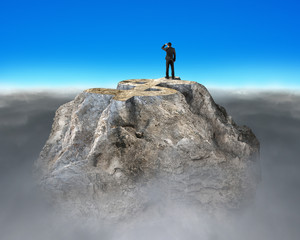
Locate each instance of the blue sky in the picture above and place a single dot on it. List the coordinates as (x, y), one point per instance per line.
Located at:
(99, 43)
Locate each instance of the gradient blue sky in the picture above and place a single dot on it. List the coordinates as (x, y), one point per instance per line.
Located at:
(50, 43)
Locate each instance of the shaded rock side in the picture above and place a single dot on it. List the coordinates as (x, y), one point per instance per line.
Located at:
(116, 152)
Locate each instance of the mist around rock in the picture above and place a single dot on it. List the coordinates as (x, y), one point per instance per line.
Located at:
(117, 154)
(25, 125)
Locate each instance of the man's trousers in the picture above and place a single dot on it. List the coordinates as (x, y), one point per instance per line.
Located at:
(170, 62)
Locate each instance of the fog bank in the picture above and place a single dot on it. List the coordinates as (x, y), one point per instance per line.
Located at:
(25, 124)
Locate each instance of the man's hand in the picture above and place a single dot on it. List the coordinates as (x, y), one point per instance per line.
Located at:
(163, 47)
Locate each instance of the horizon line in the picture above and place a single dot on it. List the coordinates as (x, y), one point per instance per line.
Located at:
(76, 89)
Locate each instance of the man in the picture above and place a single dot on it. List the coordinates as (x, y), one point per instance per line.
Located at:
(170, 58)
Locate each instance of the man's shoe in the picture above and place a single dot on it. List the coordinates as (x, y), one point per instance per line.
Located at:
(166, 77)
(173, 78)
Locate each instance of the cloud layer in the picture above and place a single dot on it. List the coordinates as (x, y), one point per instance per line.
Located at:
(25, 124)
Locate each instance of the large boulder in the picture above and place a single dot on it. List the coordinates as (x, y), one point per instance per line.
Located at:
(113, 153)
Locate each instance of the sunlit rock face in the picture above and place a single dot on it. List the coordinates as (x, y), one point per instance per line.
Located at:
(114, 153)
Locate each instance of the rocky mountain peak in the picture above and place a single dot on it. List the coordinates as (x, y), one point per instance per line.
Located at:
(109, 148)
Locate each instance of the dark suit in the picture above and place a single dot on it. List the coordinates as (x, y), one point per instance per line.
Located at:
(170, 59)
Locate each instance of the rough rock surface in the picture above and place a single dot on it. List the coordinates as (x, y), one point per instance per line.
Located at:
(116, 152)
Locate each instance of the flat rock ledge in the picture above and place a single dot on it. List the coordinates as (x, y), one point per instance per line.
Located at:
(116, 153)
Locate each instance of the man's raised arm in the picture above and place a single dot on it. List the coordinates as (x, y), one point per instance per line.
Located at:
(163, 47)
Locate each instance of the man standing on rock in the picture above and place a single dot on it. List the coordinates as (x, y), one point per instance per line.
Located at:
(170, 58)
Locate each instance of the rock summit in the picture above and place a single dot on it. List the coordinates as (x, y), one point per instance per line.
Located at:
(116, 152)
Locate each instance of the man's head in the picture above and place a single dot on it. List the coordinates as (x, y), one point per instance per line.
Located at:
(169, 44)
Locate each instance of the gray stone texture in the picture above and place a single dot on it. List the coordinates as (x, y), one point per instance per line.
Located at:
(114, 157)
